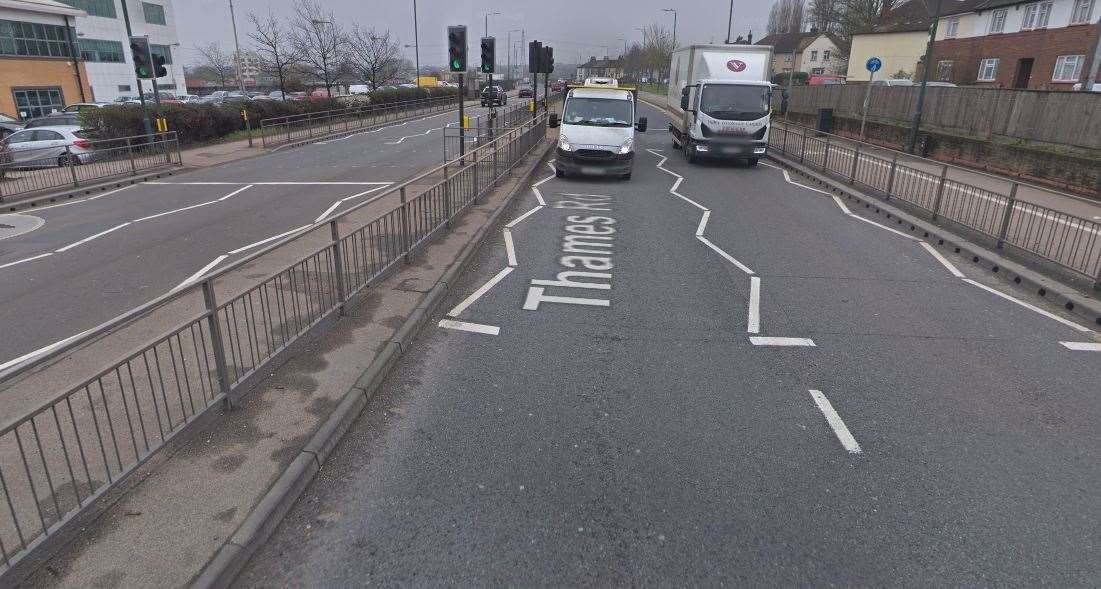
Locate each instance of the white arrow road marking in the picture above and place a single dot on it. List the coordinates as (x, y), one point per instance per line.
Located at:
(836, 423)
(782, 342)
(471, 327)
(1082, 346)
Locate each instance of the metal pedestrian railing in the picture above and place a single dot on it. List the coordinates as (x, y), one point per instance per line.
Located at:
(486, 127)
(278, 131)
(1071, 242)
(56, 460)
(25, 172)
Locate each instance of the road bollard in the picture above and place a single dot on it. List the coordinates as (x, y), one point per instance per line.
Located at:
(1010, 203)
(940, 191)
(217, 342)
(338, 265)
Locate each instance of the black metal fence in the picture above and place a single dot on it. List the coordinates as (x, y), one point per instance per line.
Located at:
(56, 460)
(1071, 242)
(278, 131)
(24, 172)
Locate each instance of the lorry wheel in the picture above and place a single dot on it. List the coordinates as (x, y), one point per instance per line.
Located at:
(752, 161)
(690, 153)
(626, 176)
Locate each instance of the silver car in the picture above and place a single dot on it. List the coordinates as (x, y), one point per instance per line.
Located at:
(43, 147)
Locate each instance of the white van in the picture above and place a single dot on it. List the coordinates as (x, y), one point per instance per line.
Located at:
(597, 135)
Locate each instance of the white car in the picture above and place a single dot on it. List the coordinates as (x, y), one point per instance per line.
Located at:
(893, 82)
(79, 106)
(44, 147)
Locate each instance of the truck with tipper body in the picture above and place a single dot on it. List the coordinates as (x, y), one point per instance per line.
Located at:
(722, 98)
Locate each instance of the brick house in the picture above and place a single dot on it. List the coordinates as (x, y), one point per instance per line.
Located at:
(1035, 45)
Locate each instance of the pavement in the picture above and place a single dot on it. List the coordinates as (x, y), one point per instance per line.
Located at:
(87, 261)
(714, 375)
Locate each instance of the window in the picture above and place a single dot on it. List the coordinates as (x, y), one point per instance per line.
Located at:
(124, 87)
(952, 28)
(1068, 68)
(818, 71)
(944, 70)
(997, 20)
(1083, 10)
(814, 56)
(38, 102)
(33, 39)
(154, 13)
(43, 135)
(826, 55)
(101, 51)
(988, 69)
(162, 50)
(1036, 15)
(104, 8)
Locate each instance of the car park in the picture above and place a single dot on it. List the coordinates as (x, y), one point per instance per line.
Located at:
(42, 147)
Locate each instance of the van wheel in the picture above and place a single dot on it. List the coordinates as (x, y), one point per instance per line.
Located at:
(752, 161)
(626, 176)
(690, 153)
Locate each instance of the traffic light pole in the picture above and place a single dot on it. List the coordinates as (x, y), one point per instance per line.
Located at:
(462, 119)
(141, 92)
(156, 92)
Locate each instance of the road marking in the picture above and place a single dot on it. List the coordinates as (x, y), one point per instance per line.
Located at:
(1028, 306)
(524, 216)
(30, 259)
(471, 327)
(235, 193)
(402, 140)
(535, 297)
(510, 248)
(196, 276)
(91, 198)
(722, 253)
(337, 204)
(754, 323)
(943, 260)
(884, 227)
(268, 240)
(40, 351)
(202, 204)
(332, 208)
(836, 423)
(782, 342)
(470, 300)
(1082, 346)
(787, 178)
(844, 209)
(87, 239)
(267, 184)
(703, 223)
(535, 187)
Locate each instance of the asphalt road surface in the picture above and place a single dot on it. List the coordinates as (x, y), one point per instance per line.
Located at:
(741, 384)
(68, 268)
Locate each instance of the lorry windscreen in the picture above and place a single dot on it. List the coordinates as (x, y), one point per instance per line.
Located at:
(735, 103)
(598, 112)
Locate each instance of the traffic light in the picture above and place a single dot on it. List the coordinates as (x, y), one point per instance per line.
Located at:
(489, 54)
(535, 50)
(548, 60)
(139, 47)
(158, 66)
(456, 48)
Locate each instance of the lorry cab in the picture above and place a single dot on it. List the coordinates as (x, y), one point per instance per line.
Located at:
(597, 136)
(726, 119)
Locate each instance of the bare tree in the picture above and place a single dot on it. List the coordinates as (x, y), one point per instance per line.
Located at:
(860, 16)
(785, 16)
(825, 15)
(373, 57)
(657, 49)
(320, 41)
(214, 60)
(275, 49)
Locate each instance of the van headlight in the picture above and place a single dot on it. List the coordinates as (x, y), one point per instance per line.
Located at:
(627, 146)
(564, 144)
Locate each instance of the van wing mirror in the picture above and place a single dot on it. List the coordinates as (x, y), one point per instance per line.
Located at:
(642, 125)
(684, 102)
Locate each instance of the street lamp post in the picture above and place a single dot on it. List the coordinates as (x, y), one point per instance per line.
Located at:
(730, 23)
(508, 43)
(924, 79)
(643, 31)
(674, 11)
(237, 55)
(416, 45)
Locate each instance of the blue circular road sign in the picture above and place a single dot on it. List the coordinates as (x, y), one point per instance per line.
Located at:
(874, 64)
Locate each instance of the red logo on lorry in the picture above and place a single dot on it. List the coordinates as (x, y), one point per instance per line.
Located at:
(736, 65)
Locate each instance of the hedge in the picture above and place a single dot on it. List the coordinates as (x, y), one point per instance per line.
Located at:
(197, 123)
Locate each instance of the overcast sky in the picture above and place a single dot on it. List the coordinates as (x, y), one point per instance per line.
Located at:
(573, 27)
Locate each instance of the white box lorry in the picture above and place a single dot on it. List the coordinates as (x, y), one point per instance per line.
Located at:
(722, 96)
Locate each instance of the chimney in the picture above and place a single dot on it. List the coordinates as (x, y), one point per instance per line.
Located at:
(750, 38)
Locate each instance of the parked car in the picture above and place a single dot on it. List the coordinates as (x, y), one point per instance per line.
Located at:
(58, 119)
(826, 81)
(558, 86)
(893, 82)
(5, 159)
(189, 98)
(526, 92)
(279, 95)
(407, 85)
(79, 106)
(298, 96)
(43, 147)
(9, 127)
(494, 96)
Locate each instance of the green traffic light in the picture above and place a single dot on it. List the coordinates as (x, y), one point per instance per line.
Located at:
(456, 65)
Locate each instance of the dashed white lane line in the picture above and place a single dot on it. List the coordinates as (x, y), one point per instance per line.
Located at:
(728, 257)
(24, 260)
(520, 219)
(40, 351)
(91, 237)
(470, 327)
(754, 322)
(202, 271)
(703, 223)
(510, 248)
(836, 423)
(782, 342)
(470, 300)
(1030, 307)
(943, 260)
(844, 209)
(267, 240)
(1082, 346)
